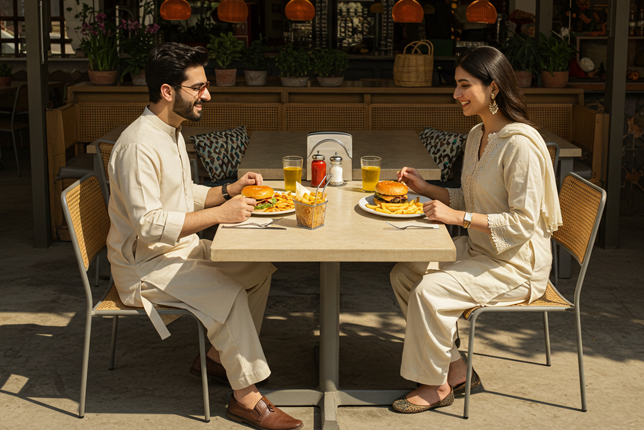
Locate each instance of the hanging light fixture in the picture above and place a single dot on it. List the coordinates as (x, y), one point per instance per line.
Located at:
(408, 11)
(481, 11)
(175, 10)
(299, 10)
(232, 11)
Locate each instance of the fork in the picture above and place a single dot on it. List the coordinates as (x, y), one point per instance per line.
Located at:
(408, 226)
(267, 225)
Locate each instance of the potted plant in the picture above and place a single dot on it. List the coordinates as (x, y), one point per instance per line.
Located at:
(522, 51)
(255, 63)
(99, 42)
(556, 54)
(225, 48)
(5, 75)
(330, 64)
(294, 66)
(136, 42)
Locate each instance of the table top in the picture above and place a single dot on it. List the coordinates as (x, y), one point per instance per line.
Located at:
(566, 149)
(349, 234)
(397, 149)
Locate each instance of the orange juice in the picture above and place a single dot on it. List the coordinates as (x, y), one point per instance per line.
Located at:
(370, 177)
(291, 176)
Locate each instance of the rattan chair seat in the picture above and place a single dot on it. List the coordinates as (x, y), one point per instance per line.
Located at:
(112, 302)
(551, 298)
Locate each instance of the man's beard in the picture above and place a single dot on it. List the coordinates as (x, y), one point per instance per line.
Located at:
(185, 108)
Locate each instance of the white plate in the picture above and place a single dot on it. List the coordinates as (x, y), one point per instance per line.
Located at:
(369, 201)
(290, 211)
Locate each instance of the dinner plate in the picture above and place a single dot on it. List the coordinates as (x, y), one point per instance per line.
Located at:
(369, 201)
(289, 211)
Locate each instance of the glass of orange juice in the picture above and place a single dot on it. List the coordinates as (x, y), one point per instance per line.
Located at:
(370, 165)
(292, 166)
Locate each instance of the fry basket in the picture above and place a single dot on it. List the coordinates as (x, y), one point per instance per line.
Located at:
(310, 216)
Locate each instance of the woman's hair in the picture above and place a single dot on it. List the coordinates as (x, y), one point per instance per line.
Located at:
(167, 64)
(488, 64)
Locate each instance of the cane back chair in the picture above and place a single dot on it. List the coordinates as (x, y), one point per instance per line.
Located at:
(86, 215)
(582, 204)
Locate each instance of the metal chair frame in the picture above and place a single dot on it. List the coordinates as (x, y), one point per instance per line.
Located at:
(93, 311)
(12, 128)
(573, 307)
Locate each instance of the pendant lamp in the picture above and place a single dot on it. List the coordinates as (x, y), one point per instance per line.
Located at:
(408, 11)
(232, 11)
(481, 11)
(299, 10)
(175, 10)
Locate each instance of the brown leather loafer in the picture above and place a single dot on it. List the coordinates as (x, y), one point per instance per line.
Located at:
(215, 371)
(264, 416)
(406, 407)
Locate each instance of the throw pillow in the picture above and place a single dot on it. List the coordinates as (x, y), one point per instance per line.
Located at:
(444, 147)
(222, 151)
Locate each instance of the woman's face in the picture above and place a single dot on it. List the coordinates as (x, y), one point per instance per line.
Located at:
(471, 93)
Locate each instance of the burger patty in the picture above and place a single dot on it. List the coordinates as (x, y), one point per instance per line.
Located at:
(391, 199)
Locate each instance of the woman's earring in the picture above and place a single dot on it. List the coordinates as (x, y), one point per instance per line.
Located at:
(494, 108)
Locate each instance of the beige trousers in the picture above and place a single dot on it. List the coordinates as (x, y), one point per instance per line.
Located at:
(237, 338)
(432, 305)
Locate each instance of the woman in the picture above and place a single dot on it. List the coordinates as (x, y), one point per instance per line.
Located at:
(509, 204)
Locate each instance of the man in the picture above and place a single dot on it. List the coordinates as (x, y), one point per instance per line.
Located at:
(156, 256)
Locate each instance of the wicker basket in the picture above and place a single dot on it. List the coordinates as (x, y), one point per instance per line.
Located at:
(414, 69)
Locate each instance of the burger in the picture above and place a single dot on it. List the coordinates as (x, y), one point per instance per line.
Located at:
(390, 192)
(262, 194)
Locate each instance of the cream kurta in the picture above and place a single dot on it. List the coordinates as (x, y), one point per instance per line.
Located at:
(151, 191)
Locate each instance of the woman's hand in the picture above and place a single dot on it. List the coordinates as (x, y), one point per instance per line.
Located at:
(249, 178)
(440, 212)
(410, 177)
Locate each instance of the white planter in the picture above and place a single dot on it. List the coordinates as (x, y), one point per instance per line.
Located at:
(255, 78)
(295, 82)
(330, 81)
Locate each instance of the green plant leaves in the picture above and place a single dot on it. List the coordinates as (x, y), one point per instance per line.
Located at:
(330, 62)
(225, 49)
(293, 63)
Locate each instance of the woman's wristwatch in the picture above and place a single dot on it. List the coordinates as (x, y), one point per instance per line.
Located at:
(467, 219)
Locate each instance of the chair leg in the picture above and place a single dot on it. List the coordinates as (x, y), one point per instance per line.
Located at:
(470, 359)
(83, 391)
(15, 149)
(204, 372)
(115, 326)
(546, 335)
(580, 355)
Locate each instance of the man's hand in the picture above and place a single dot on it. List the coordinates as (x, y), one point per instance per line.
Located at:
(237, 209)
(249, 178)
(411, 177)
(440, 212)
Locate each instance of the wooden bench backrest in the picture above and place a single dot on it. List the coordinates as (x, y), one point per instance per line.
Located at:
(96, 119)
(557, 118)
(416, 117)
(256, 117)
(325, 117)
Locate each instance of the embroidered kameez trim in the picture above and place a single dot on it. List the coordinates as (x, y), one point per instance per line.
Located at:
(499, 235)
(456, 200)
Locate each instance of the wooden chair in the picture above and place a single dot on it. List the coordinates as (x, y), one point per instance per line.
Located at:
(582, 204)
(88, 221)
(10, 125)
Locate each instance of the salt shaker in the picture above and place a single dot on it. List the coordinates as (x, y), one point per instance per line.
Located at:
(336, 170)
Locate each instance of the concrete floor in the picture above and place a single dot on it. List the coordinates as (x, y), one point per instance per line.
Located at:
(42, 321)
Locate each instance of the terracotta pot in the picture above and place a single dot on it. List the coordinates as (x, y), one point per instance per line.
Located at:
(295, 82)
(524, 78)
(330, 81)
(5, 81)
(255, 78)
(225, 77)
(102, 77)
(139, 79)
(559, 80)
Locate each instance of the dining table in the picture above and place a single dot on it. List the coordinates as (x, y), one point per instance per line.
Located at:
(349, 234)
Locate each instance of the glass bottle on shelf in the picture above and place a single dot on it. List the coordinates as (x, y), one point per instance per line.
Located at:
(640, 23)
(632, 24)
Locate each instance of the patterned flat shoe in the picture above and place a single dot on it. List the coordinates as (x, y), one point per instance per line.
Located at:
(460, 388)
(406, 407)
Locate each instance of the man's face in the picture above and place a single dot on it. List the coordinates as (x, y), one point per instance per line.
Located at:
(188, 104)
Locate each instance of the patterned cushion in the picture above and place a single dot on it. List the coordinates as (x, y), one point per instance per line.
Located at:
(444, 147)
(221, 151)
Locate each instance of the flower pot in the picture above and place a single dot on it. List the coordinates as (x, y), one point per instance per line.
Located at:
(524, 78)
(255, 78)
(139, 79)
(225, 77)
(295, 82)
(5, 81)
(97, 77)
(559, 80)
(330, 81)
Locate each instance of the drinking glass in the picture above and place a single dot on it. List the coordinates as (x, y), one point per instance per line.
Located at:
(370, 166)
(292, 166)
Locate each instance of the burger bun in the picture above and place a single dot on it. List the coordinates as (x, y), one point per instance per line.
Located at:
(258, 192)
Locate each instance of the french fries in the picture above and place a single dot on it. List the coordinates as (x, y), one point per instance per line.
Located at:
(412, 207)
(310, 210)
(283, 202)
(311, 199)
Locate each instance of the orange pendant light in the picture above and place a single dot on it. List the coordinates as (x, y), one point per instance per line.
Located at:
(299, 10)
(175, 10)
(232, 11)
(408, 11)
(481, 11)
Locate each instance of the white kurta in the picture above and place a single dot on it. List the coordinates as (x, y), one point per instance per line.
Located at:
(151, 191)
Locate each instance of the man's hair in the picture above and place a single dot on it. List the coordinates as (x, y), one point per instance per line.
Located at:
(167, 64)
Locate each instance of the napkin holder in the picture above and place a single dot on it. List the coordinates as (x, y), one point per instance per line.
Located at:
(328, 143)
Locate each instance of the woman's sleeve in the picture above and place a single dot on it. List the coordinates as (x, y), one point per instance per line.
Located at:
(456, 199)
(523, 171)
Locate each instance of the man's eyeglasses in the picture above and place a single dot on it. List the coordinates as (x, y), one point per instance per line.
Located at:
(200, 90)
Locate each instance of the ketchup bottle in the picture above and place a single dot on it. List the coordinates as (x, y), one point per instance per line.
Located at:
(318, 170)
